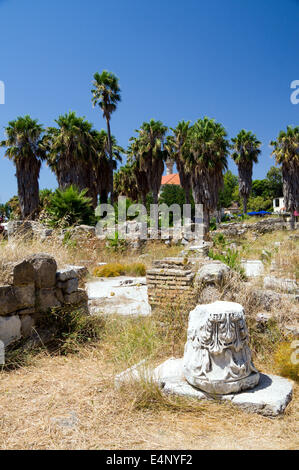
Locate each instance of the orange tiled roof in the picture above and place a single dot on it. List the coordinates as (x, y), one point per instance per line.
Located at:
(171, 179)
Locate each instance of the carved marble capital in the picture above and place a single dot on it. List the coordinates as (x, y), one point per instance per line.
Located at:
(217, 356)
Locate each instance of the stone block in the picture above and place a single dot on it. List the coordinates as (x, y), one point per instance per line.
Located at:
(59, 295)
(81, 271)
(10, 329)
(18, 273)
(27, 324)
(212, 273)
(46, 299)
(68, 287)
(66, 274)
(253, 268)
(76, 298)
(45, 268)
(16, 298)
(283, 285)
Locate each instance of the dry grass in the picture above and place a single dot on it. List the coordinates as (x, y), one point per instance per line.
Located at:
(284, 259)
(88, 252)
(69, 402)
(120, 269)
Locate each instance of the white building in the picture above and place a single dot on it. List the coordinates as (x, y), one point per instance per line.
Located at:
(278, 204)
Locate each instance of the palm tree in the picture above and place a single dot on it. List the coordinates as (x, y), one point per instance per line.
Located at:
(246, 149)
(140, 175)
(125, 182)
(23, 147)
(101, 164)
(106, 94)
(176, 147)
(206, 159)
(71, 149)
(286, 151)
(149, 152)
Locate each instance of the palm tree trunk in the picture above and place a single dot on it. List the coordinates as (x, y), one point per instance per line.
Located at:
(292, 221)
(244, 205)
(110, 160)
(155, 197)
(103, 197)
(187, 196)
(143, 199)
(28, 188)
(206, 222)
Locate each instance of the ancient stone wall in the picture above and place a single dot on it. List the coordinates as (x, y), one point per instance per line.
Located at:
(232, 229)
(170, 280)
(30, 288)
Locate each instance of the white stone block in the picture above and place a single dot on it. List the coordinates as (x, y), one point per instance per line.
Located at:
(10, 329)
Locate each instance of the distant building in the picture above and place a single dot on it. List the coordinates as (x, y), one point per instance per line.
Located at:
(278, 205)
(170, 177)
(233, 209)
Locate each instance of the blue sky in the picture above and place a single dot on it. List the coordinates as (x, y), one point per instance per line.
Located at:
(232, 60)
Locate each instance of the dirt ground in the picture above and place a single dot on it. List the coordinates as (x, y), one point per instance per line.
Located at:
(70, 403)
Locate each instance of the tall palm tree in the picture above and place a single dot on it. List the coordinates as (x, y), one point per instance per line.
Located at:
(286, 152)
(101, 163)
(125, 183)
(176, 148)
(246, 149)
(150, 154)
(106, 94)
(23, 147)
(206, 160)
(71, 149)
(140, 175)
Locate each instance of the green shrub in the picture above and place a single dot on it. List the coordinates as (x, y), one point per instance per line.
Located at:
(116, 244)
(231, 258)
(219, 240)
(70, 207)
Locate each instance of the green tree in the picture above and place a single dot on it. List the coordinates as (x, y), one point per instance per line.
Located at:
(23, 147)
(101, 165)
(177, 147)
(274, 178)
(246, 149)
(286, 152)
(5, 211)
(106, 94)
(71, 150)
(147, 150)
(70, 207)
(259, 203)
(206, 160)
(226, 194)
(125, 183)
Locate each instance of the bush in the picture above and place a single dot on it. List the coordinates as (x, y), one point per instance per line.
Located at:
(231, 258)
(70, 207)
(119, 269)
(116, 244)
(219, 240)
(72, 328)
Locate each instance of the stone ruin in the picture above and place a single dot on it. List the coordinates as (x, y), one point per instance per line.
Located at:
(217, 364)
(217, 357)
(31, 287)
(179, 279)
(170, 279)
